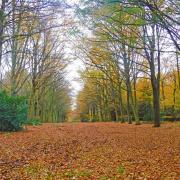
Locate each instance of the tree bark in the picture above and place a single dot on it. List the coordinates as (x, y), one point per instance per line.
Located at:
(149, 48)
(156, 102)
(2, 9)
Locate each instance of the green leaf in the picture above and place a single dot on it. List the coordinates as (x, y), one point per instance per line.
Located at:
(133, 10)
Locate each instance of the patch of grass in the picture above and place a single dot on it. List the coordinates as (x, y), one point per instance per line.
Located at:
(32, 169)
(77, 173)
(108, 178)
(176, 124)
(49, 176)
(121, 169)
(104, 178)
(33, 122)
(84, 173)
(7, 134)
(114, 178)
(69, 174)
(35, 170)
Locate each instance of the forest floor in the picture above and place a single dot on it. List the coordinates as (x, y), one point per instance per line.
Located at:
(91, 151)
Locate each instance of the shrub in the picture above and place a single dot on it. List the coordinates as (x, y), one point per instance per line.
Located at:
(84, 118)
(13, 112)
(171, 114)
(177, 114)
(145, 111)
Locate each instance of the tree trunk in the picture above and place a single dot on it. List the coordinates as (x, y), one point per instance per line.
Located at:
(14, 52)
(153, 41)
(174, 93)
(120, 104)
(163, 95)
(130, 100)
(178, 69)
(128, 108)
(156, 104)
(2, 9)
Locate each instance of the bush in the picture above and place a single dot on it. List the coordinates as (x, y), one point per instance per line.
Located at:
(177, 114)
(13, 112)
(145, 111)
(84, 118)
(170, 114)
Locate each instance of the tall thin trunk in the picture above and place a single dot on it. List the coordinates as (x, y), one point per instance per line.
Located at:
(2, 9)
(155, 80)
(135, 94)
(114, 100)
(178, 68)
(128, 108)
(14, 52)
(130, 100)
(156, 102)
(153, 39)
(163, 94)
(120, 103)
(174, 93)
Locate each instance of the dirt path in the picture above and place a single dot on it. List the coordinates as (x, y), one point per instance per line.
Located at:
(91, 151)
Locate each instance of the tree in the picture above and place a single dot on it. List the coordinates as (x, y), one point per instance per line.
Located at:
(32, 56)
(130, 29)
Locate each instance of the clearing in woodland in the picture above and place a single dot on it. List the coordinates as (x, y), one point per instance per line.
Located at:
(91, 151)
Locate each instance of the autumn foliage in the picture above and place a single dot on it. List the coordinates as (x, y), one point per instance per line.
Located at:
(91, 151)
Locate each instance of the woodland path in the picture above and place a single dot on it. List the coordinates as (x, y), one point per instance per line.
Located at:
(91, 151)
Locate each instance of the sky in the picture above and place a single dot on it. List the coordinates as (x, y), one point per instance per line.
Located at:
(74, 78)
(73, 68)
